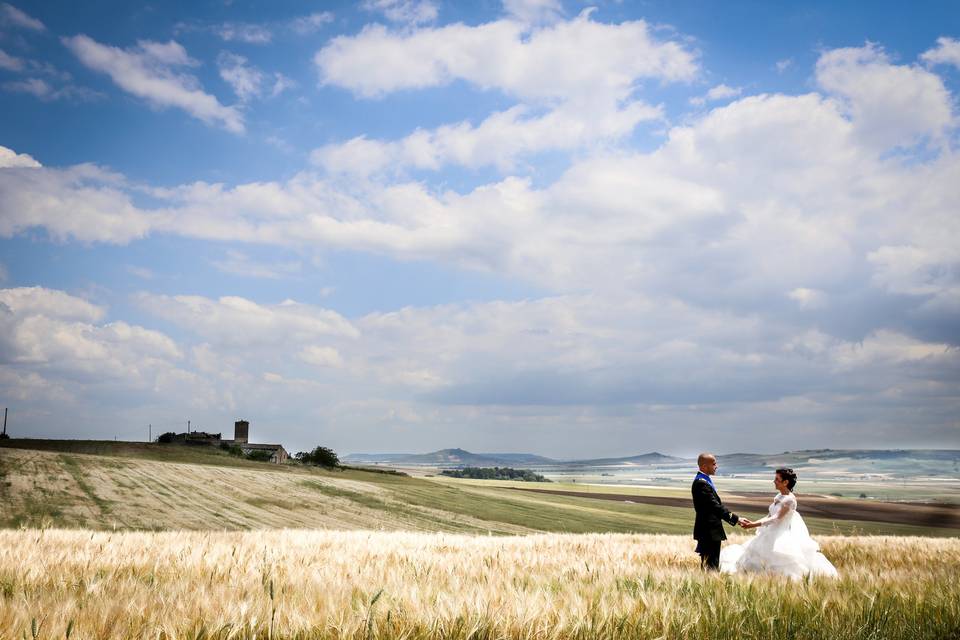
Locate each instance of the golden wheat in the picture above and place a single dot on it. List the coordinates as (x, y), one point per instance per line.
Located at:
(311, 584)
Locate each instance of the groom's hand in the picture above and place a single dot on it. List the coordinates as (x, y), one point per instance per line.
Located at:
(743, 522)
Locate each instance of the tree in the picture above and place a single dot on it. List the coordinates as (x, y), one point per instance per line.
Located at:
(320, 456)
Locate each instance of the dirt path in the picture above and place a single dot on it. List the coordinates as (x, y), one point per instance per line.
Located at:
(926, 515)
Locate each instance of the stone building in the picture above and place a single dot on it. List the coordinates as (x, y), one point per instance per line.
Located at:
(241, 434)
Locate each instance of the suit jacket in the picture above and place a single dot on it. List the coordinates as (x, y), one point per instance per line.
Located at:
(710, 512)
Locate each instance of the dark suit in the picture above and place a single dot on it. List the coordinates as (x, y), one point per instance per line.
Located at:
(708, 527)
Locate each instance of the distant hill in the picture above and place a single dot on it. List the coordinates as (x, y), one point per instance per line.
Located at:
(643, 459)
(891, 462)
(837, 462)
(462, 457)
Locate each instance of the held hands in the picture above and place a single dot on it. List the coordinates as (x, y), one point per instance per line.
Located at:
(747, 524)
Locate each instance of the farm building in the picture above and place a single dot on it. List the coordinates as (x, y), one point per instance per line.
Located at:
(241, 434)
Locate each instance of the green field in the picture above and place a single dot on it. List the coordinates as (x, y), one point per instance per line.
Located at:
(136, 486)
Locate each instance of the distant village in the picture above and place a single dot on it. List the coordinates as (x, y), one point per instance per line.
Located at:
(241, 431)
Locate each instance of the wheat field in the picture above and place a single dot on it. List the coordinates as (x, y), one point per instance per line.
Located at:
(366, 584)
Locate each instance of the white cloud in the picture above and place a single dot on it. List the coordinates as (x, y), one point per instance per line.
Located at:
(311, 23)
(13, 16)
(807, 298)
(783, 65)
(499, 140)
(240, 322)
(239, 264)
(722, 91)
(534, 11)
(10, 158)
(33, 301)
(717, 93)
(281, 83)
(63, 363)
(146, 71)
(241, 32)
(82, 202)
(892, 105)
(10, 63)
(321, 356)
(765, 196)
(947, 51)
(573, 60)
(575, 79)
(141, 272)
(412, 12)
(43, 90)
(246, 81)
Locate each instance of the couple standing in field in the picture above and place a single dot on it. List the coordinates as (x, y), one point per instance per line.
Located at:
(782, 544)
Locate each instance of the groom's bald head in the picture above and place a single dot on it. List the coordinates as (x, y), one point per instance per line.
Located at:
(707, 463)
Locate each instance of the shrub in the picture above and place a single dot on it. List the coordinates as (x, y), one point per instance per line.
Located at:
(320, 456)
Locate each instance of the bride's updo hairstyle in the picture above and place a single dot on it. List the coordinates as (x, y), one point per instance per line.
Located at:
(789, 476)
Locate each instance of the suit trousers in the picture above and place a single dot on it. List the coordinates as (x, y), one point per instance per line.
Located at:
(709, 551)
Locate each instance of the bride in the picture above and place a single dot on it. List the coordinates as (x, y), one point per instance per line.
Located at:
(782, 545)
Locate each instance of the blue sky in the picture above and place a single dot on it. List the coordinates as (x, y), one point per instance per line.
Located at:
(567, 228)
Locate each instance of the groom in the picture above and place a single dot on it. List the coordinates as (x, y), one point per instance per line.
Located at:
(708, 527)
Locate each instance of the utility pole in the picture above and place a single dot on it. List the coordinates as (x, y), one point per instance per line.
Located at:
(5, 422)
(188, 426)
(150, 432)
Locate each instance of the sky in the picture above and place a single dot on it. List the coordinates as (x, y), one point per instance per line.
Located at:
(574, 229)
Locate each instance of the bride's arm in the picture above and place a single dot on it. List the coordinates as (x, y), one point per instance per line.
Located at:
(786, 508)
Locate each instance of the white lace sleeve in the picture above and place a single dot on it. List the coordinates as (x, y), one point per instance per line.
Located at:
(787, 506)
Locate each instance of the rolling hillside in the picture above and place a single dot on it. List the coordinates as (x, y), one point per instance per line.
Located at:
(105, 485)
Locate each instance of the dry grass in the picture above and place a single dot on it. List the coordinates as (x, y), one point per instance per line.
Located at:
(310, 584)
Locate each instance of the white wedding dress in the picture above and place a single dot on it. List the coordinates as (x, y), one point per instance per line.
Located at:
(782, 545)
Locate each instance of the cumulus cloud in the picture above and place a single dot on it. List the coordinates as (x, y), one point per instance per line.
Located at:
(311, 23)
(534, 11)
(44, 91)
(239, 264)
(770, 204)
(575, 80)
(499, 140)
(947, 51)
(245, 80)
(576, 59)
(892, 105)
(10, 15)
(719, 92)
(147, 71)
(82, 202)
(54, 331)
(240, 322)
(32, 301)
(321, 356)
(243, 32)
(10, 158)
(10, 63)
(249, 82)
(412, 12)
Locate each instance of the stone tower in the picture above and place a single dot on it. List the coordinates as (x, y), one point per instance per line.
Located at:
(241, 430)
